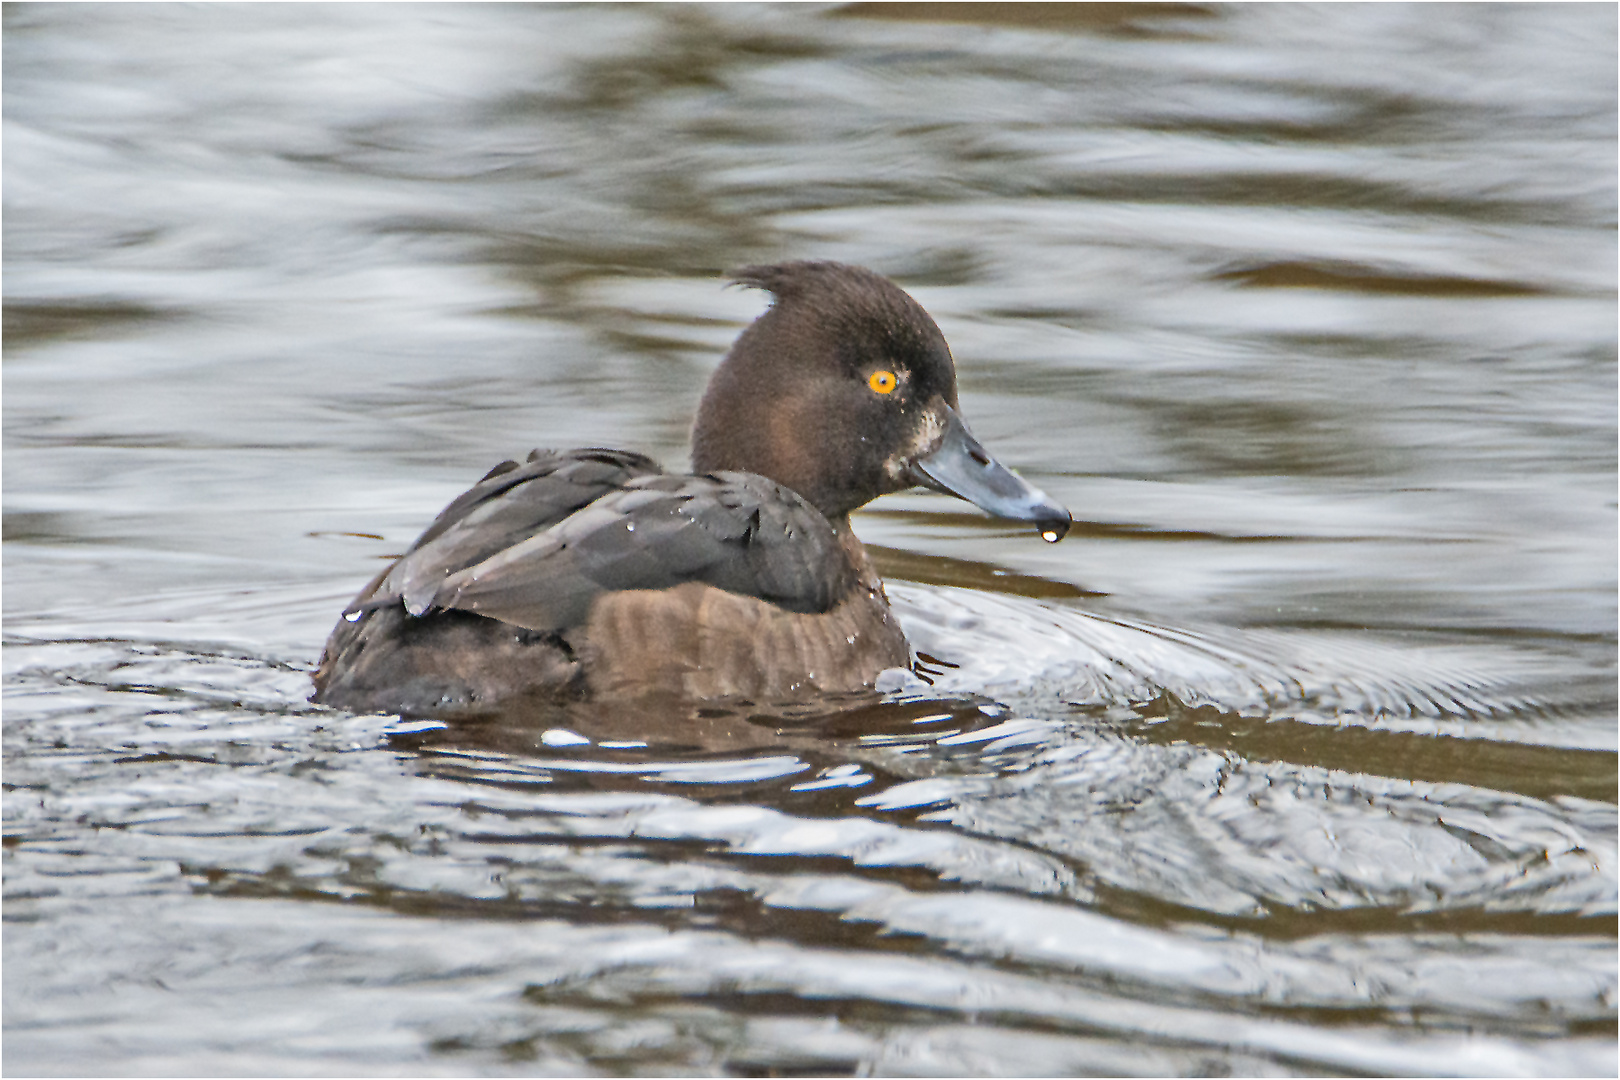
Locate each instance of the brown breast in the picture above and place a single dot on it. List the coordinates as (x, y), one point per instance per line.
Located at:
(696, 641)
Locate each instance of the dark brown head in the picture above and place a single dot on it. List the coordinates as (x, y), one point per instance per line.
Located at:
(845, 390)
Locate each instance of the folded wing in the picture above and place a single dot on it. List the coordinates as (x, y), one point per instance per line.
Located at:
(535, 544)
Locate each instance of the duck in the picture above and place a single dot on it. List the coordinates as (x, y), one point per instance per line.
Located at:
(594, 575)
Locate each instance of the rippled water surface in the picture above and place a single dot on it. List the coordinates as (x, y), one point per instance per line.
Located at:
(1297, 756)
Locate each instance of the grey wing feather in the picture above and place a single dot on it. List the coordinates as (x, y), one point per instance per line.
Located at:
(735, 531)
(507, 498)
(513, 501)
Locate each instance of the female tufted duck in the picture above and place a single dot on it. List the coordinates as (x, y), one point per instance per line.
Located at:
(592, 573)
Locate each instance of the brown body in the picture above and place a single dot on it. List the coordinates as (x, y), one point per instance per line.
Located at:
(701, 642)
(691, 641)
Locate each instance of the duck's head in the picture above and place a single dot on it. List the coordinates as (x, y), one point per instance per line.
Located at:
(845, 390)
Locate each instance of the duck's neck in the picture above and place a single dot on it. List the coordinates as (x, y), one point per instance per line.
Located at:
(855, 551)
(768, 441)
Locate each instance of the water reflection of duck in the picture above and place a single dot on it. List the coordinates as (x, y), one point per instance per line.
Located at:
(592, 573)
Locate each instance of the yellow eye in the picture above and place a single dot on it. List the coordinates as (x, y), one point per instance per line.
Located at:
(882, 382)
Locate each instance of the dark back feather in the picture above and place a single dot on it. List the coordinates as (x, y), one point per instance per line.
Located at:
(535, 544)
(734, 531)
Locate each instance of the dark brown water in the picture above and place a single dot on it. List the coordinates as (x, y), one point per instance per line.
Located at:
(1297, 756)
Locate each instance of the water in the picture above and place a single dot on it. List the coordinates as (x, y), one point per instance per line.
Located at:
(1298, 755)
